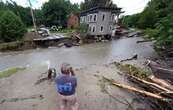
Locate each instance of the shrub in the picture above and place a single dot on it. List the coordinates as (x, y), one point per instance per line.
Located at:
(165, 29)
(11, 27)
(152, 33)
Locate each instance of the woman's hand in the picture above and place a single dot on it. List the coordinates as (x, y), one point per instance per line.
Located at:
(72, 72)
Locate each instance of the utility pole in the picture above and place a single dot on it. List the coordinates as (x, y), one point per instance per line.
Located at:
(33, 18)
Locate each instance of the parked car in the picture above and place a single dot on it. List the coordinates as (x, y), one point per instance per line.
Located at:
(43, 32)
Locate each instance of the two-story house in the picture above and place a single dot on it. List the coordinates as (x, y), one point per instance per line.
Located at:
(100, 20)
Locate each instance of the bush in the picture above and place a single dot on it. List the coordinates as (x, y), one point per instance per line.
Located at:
(165, 29)
(152, 33)
(11, 27)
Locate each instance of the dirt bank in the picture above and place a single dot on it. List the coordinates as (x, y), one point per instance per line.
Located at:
(19, 91)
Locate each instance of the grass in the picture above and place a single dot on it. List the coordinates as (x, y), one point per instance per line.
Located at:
(10, 71)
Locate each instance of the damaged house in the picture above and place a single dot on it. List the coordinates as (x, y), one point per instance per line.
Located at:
(100, 20)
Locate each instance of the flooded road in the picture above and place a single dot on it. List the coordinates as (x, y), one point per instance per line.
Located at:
(98, 53)
(19, 92)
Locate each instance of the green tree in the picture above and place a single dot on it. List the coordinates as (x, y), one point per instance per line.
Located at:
(39, 16)
(57, 11)
(11, 27)
(157, 19)
(165, 31)
(130, 21)
(23, 13)
(147, 19)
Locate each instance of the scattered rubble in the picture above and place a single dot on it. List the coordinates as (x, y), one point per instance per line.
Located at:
(49, 75)
(161, 72)
(158, 91)
(143, 41)
(135, 34)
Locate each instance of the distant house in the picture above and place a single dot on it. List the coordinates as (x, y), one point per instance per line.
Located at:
(73, 21)
(100, 20)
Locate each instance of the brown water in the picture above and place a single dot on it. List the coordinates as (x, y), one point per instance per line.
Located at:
(98, 53)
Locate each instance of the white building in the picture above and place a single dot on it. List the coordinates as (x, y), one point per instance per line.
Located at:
(100, 20)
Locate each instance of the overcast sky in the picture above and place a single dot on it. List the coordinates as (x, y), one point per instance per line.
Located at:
(129, 6)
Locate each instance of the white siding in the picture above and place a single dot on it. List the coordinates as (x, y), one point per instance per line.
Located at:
(100, 23)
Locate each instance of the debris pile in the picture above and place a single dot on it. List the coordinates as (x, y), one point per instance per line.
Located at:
(157, 92)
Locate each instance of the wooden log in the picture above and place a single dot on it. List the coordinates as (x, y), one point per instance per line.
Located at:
(161, 82)
(151, 84)
(135, 57)
(149, 94)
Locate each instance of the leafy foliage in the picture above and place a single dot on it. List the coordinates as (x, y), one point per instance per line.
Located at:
(156, 19)
(11, 27)
(54, 12)
(165, 29)
(130, 21)
(23, 13)
(57, 11)
(133, 70)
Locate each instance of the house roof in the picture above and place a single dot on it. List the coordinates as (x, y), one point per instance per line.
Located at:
(98, 8)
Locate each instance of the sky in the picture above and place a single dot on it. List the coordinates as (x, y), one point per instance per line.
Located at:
(129, 6)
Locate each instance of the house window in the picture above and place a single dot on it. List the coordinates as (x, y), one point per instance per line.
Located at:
(94, 28)
(90, 29)
(110, 27)
(81, 19)
(95, 17)
(103, 17)
(113, 17)
(90, 18)
(101, 29)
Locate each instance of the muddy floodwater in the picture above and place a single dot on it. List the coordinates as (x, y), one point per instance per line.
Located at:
(20, 91)
(98, 53)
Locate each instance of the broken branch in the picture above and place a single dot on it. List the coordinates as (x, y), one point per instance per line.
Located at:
(161, 82)
(149, 94)
(150, 83)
